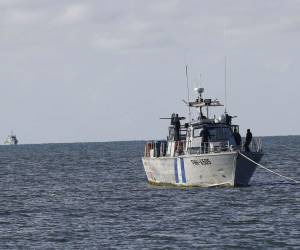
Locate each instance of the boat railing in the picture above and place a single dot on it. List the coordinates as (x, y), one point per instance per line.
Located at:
(172, 133)
(179, 147)
(255, 145)
(155, 148)
(209, 147)
(182, 133)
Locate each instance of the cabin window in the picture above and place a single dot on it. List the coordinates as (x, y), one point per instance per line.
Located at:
(196, 132)
(216, 134)
(219, 134)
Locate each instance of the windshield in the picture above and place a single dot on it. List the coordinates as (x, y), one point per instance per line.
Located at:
(219, 134)
(216, 134)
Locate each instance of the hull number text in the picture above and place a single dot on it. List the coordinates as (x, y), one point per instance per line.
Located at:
(201, 162)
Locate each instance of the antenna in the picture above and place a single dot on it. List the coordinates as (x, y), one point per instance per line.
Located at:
(225, 68)
(225, 81)
(200, 80)
(188, 90)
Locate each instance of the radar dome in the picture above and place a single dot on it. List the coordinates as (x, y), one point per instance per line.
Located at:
(199, 90)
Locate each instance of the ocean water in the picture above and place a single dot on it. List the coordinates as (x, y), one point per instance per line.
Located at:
(95, 196)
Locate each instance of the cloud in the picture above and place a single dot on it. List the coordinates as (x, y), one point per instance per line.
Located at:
(5, 3)
(21, 16)
(149, 25)
(132, 34)
(281, 66)
(74, 13)
(71, 46)
(113, 43)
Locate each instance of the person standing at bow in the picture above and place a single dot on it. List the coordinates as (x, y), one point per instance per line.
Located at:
(237, 137)
(248, 140)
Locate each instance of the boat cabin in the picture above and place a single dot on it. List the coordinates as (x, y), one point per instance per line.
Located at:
(201, 136)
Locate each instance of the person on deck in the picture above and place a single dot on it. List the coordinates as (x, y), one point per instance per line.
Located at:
(248, 140)
(204, 143)
(228, 119)
(173, 119)
(237, 137)
(177, 127)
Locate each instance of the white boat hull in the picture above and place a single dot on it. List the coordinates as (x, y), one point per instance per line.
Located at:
(205, 170)
(192, 170)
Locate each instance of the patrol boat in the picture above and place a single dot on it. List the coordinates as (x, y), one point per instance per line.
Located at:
(11, 140)
(187, 159)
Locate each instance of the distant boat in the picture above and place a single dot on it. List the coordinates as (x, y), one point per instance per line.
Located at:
(11, 140)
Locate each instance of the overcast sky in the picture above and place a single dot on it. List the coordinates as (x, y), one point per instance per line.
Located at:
(93, 70)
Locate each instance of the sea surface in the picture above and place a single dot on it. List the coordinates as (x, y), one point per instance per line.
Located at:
(96, 196)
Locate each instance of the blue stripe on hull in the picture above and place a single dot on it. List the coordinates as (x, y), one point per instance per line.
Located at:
(182, 170)
(175, 170)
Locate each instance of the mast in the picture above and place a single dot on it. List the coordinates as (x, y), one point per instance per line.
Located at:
(188, 91)
(225, 82)
(225, 68)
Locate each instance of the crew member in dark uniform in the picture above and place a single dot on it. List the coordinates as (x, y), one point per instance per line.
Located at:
(205, 135)
(173, 119)
(177, 127)
(248, 140)
(228, 119)
(237, 137)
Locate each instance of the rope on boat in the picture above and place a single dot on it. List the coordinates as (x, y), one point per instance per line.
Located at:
(289, 178)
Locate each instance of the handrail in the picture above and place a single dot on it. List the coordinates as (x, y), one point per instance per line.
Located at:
(255, 145)
(182, 147)
(209, 148)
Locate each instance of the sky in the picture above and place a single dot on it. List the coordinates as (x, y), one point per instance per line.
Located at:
(95, 70)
